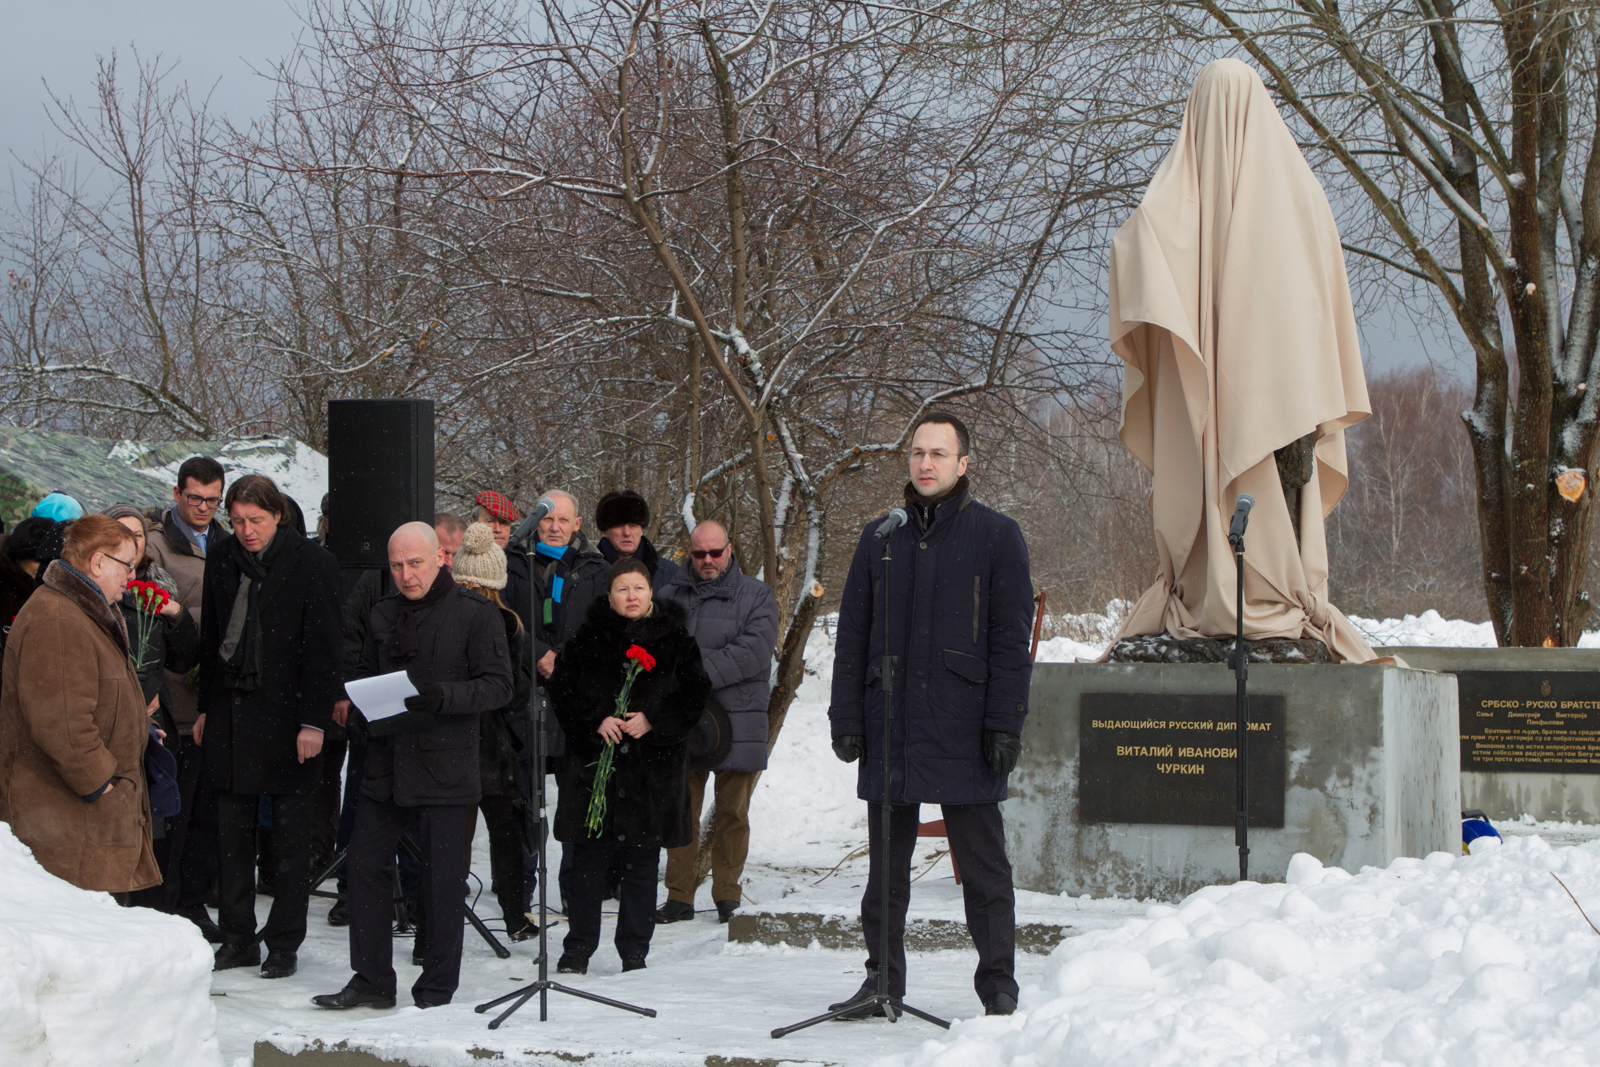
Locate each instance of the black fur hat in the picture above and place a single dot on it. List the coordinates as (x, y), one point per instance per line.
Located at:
(621, 508)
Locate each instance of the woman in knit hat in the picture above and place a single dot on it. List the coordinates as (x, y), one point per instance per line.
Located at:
(480, 567)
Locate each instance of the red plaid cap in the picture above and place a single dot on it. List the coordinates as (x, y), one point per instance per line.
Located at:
(499, 506)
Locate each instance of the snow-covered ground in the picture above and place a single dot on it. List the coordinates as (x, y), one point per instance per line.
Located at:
(1480, 960)
(1440, 960)
(1429, 628)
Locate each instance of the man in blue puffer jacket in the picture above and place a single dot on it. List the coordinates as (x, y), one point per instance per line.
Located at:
(960, 608)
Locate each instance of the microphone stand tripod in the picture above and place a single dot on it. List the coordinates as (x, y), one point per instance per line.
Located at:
(543, 985)
(880, 856)
(1240, 658)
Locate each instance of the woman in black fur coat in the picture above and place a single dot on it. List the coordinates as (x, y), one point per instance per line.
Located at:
(647, 797)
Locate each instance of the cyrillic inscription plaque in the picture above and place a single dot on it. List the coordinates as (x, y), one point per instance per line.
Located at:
(1529, 721)
(1171, 759)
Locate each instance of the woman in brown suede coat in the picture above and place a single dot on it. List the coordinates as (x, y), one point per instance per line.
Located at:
(72, 720)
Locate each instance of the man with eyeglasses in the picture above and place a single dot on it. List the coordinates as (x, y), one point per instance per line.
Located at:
(960, 611)
(186, 531)
(734, 619)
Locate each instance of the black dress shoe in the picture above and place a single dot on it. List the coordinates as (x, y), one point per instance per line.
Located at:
(861, 1004)
(280, 963)
(674, 911)
(231, 956)
(527, 933)
(198, 915)
(349, 998)
(426, 1004)
(1000, 1004)
(725, 910)
(339, 914)
(572, 963)
(632, 963)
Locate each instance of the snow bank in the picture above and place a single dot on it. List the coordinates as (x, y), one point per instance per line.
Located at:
(1478, 961)
(294, 466)
(83, 981)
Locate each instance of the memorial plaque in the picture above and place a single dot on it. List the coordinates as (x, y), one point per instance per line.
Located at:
(1544, 722)
(1165, 758)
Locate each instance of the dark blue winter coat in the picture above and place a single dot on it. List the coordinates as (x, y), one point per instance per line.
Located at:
(960, 617)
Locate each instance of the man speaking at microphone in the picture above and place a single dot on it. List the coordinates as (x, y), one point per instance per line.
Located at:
(959, 612)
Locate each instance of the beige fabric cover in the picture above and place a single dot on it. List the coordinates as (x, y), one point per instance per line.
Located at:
(1231, 311)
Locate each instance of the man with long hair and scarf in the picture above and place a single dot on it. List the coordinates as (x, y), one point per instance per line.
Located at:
(269, 676)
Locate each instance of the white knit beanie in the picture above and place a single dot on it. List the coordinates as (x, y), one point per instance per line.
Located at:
(480, 562)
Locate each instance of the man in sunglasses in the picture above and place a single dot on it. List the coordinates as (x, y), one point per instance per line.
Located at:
(188, 529)
(734, 619)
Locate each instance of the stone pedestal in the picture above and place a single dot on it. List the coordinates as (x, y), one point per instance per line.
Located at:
(1372, 773)
(1569, 794)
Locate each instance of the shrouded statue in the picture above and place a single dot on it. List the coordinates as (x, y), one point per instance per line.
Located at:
(1231, 312)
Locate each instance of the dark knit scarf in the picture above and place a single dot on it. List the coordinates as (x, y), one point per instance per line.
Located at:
(925, 509)
(645, 554)
(241, 648)
(405, 647)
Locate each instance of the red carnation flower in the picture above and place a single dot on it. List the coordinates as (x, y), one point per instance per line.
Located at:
(646, 660)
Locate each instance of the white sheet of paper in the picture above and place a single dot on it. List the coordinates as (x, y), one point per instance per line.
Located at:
(381, 697)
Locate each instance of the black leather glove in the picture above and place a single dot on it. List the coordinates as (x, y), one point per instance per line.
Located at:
(1000, 752)
(850, 747)
(429, 698)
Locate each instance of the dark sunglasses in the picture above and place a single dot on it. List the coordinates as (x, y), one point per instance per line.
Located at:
(709, 553)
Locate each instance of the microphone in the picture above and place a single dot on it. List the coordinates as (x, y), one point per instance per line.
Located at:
(1241, 518)
(529, 526)
(897, 518)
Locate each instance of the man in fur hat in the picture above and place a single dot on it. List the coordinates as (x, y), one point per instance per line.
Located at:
(622, 517)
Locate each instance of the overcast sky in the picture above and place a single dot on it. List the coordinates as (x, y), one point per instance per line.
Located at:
(220, 45)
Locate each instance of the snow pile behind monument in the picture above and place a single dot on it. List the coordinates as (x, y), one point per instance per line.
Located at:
(1466, 961)
(83, 981)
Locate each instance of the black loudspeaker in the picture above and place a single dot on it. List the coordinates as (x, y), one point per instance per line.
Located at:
(380, 475)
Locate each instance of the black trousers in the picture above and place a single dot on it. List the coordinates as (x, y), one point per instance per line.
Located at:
(978, 843)
(328, 798)
(191, 868)
(505, 859)
(370, 860)
(237, 816)
(636, 919)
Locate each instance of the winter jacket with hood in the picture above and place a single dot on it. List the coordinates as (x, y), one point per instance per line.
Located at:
(734, 620)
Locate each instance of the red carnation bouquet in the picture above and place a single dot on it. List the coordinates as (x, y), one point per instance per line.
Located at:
(638, 661)
(148, 598)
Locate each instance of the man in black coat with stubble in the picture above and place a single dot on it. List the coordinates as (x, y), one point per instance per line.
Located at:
(960, 606)
(269, 676)
(422, 763)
